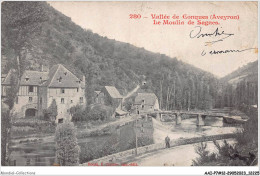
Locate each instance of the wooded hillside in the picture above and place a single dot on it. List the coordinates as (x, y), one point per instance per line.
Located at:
(103, 61)
(240, 87)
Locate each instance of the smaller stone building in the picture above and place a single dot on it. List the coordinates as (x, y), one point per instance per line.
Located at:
(112, 97)
(146, 102)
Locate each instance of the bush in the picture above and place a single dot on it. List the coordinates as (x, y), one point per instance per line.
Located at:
(250, 128)
(96, 113)
(22, 130)
(89, 152)
(205, 157)
(67, 149)
(32, 122)
(227, 155)
(51, 113)
(19, 126)
(245, 151)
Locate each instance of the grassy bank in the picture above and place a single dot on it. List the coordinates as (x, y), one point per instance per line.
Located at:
(24, 127)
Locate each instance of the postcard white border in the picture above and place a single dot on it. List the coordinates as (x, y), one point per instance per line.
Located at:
(131, 170)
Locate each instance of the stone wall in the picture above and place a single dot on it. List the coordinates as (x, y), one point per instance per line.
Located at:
(159, 146)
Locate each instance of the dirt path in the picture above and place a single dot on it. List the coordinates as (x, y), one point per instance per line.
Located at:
(176, 156)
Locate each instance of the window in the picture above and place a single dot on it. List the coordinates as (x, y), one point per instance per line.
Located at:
(62, 100)
(143, 101)
(62, 91)
(16, 100)
(77, 89)
(81, 99)
(142, 106)
(30, 99)
(71, 101)
(30, 88)
(59, 79)
(60, 120)
(41, 100)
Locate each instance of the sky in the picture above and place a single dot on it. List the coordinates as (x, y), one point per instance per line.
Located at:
(112, 19)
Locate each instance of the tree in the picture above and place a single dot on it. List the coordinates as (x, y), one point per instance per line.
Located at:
(204, 155)
(5, 126)
(6, 120)
(67, 149)
(21, 21)
(53, 110)
(11, 92)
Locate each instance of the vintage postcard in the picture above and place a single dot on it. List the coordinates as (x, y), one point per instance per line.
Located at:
(129, 84)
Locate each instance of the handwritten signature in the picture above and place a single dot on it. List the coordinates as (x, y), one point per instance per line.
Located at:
(213, 52)
(196, 33)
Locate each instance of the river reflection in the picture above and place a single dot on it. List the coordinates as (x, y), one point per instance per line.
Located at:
(33, 154)
(42, 153)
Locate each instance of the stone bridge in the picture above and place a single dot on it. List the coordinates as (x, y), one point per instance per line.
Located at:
(201, 115)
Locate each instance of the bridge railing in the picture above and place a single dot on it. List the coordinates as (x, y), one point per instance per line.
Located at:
(206, 112)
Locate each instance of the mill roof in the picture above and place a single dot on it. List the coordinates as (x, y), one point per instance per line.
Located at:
(58, 77)
(61, 77)
(113, 92)
(33, 78)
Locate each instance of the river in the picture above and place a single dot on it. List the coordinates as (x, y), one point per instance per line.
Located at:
(189, 129)
(42, 152)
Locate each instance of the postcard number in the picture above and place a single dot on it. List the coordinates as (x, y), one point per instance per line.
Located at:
(135, 16)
